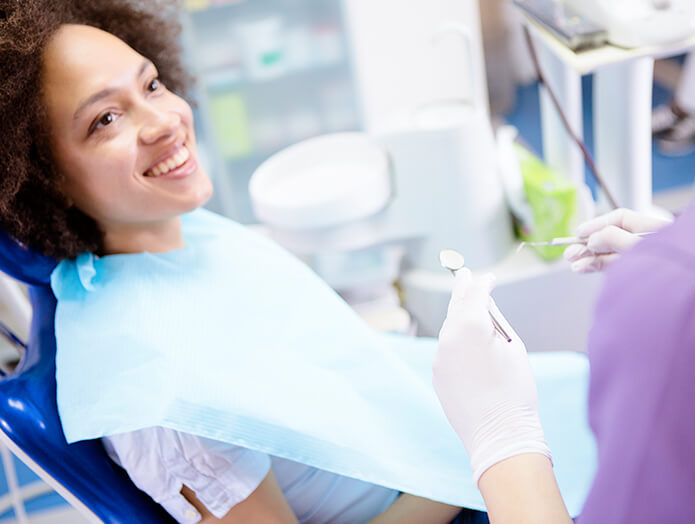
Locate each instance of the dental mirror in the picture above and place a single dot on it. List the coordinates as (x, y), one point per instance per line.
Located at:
(451, 259)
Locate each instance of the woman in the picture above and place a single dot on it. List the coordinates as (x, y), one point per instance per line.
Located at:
(100, 156)
(642, 356)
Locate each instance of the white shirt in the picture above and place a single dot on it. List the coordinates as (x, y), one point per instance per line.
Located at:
(160, 461)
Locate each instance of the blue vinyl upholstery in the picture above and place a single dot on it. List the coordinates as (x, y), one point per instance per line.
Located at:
(29, 417)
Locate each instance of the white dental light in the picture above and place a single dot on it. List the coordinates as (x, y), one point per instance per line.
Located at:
(322, 182)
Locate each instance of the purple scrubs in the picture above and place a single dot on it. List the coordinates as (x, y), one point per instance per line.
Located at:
(642, 393)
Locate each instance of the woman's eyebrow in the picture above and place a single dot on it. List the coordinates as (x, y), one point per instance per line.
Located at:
(108, 91)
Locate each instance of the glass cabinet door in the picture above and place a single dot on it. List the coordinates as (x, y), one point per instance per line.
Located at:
(270, 73)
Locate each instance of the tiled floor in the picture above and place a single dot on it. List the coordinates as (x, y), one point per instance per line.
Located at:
(668, 172)
(58, 515)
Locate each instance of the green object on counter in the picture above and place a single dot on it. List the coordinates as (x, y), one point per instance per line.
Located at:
(231, 124)
(553, 201)
(196, 5)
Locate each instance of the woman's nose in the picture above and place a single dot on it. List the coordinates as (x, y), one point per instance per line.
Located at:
(159, 125)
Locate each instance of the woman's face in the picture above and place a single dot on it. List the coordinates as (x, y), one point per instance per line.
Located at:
(125, 145)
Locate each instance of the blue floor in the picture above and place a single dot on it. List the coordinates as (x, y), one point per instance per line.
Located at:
(26, 476)
(668, 172)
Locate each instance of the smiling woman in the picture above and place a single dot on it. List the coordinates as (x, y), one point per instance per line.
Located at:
(99, 164)
(49, 148)
(126, 142)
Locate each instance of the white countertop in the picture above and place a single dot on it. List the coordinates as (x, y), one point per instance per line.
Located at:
(591, 59)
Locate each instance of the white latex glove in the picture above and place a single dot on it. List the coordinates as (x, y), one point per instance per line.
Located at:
(609, 235)
(483, 382)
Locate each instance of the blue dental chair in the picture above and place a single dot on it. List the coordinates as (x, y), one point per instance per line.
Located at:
(82, 472)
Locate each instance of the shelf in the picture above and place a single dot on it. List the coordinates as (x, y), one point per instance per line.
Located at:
(231, 78)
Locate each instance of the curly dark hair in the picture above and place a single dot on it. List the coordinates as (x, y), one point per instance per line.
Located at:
(32, 209)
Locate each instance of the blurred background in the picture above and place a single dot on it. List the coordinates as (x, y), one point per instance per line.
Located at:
(273, 73)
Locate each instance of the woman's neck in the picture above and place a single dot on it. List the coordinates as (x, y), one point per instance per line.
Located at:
(155, 237)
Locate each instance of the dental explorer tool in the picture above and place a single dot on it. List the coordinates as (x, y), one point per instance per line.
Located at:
(568, 241)
(453, 261)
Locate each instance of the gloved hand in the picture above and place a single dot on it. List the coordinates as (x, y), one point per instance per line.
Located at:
(483, 382)
(609, 235)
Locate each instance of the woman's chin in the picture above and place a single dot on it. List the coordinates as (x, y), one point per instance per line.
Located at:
(201, 195)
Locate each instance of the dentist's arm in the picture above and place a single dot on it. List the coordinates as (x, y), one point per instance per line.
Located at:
(488, 393)
(609, 235)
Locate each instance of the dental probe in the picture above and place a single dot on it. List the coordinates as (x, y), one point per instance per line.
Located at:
(568, 241)
(453, 261)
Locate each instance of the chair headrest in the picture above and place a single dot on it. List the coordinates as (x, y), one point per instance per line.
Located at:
(24, 264)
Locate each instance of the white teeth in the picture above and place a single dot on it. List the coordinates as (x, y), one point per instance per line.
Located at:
(174, 161)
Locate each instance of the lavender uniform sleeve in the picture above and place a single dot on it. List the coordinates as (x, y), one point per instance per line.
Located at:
(642, 390)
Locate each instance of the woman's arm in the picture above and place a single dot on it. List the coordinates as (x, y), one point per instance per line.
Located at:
(409, 509)
(233, 481)
(266, 505)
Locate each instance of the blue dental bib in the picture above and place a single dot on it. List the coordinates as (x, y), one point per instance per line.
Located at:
(234, 339)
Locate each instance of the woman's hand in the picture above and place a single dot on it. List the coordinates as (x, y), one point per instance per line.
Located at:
(608, 236)
(485, 383)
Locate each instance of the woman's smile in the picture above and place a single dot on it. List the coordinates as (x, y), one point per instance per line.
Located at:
(176, 163)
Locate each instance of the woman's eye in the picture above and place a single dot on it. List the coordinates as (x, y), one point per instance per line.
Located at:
(153, 85)
(105, 120)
